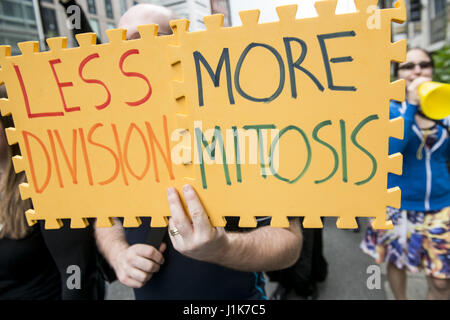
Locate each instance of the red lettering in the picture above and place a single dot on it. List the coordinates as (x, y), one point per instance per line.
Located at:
(125, 151)
(135, 74)
(62, 85)
(116, 159)
(80, 72)
(167, 157)
(38, 189)
(27, 102)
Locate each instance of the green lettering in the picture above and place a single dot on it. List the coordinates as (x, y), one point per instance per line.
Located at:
(372, 158)
(335, 154)
(272, 148)
(211, 149)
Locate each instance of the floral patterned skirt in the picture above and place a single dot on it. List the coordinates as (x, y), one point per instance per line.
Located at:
(419, 240)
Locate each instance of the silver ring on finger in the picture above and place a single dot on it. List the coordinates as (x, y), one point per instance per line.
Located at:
(174, 232)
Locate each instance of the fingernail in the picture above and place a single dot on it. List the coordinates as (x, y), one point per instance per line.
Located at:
(187, 188)
(170, 190)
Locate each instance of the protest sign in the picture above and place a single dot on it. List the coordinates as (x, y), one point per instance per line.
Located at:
(281, 119)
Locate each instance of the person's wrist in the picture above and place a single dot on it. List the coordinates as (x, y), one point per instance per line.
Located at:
(412, 100)
(117, 254)
(413, 104)
(224, 248)
(217, 251)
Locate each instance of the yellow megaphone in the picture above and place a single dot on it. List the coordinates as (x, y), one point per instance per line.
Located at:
(435, 99)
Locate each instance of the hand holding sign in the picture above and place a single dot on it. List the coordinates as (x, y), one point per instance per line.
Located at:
(258, 249)
(197, 239)
(103, 126)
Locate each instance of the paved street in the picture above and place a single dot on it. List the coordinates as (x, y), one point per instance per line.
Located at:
(347, 276)
(347, 269)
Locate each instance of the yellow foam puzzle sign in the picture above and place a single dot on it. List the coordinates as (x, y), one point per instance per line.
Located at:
(279, 119)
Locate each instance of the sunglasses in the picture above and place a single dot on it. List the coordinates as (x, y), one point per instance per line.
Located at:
(412, 65)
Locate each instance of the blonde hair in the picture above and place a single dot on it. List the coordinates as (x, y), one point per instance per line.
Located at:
(12, 207)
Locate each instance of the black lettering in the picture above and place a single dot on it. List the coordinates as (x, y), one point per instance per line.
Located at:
(327, 60)
(215, 76)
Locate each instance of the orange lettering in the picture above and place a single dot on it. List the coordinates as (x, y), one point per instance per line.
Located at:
(125, 151)
(119, 151)
(116, 159)
(72, 168)
(38, 189)
(85, 156)
(167, 157)
(55, 157)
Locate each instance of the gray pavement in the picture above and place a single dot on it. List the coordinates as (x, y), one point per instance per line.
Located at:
(347, 271)
(117, 291)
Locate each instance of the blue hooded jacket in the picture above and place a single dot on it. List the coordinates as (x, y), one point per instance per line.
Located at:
(425, 182)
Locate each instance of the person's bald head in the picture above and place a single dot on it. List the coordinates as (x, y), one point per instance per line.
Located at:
(146, 14)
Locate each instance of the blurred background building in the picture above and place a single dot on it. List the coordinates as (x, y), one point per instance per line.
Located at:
(427, 25)
(18, 20)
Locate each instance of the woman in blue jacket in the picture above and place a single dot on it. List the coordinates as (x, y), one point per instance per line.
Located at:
(420, 238)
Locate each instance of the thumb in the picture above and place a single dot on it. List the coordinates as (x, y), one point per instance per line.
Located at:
(162, 247)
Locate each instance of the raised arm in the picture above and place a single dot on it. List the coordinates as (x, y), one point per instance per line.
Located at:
(409, 115)
(263, 249)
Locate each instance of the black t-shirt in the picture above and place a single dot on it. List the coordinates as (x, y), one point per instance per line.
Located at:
(27, 270)
(183, 278)
(76, 248)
